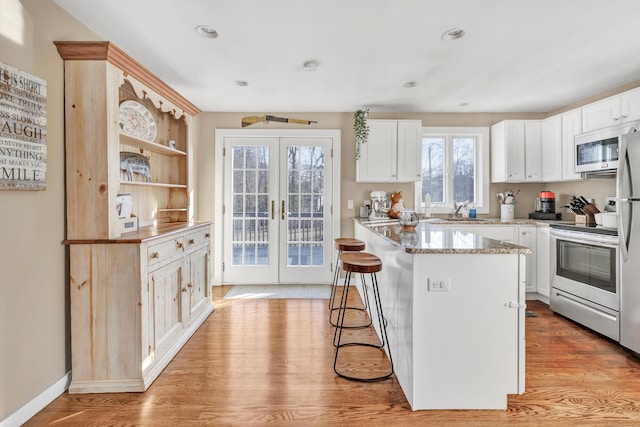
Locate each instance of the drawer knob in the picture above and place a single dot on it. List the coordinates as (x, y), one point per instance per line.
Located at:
(191, 241)
(180, 245)
(189, 285)
(184, 289)
(207, 235)
(155, 255)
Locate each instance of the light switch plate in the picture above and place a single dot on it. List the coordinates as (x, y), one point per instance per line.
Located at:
(349, 204)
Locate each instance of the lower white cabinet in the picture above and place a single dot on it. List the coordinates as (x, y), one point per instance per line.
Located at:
(504, 233)
(523, 235)
(432, 334)
(527, 237)
(543, 262)
(135, 301)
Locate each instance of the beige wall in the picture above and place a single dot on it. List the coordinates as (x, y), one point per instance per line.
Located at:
(34, 337)
(357, 192)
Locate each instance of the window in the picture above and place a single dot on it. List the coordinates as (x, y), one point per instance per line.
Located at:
(455, 168)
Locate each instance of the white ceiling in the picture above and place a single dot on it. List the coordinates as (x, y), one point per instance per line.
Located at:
(517, 55)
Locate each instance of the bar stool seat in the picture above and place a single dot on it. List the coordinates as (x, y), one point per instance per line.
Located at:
(362, 263)
(345, 244)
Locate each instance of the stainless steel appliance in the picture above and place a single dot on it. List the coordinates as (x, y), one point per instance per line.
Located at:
(380, 205)
(545, 207)
(547, 202)
(585, 283)
(598, 151)
(628, 211)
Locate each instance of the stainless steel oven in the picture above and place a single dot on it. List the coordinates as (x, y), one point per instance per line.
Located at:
(585, 284)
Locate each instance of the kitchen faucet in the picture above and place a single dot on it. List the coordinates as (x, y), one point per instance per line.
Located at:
(457, 208)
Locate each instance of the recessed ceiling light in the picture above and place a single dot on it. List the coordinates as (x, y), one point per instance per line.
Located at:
(464, 104)
(311, 65)
(206, 31)
(241, 83)
(453, 34)
(410, 83)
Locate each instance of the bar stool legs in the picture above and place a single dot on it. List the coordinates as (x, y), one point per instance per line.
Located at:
(362, 263)
(346, 244)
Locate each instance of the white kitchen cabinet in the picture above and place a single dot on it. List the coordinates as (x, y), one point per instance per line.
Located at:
(527, 236)
(392, 153)
(543, 266)
(426, 328)
(571, 126)
(523, 235)
(507, 151)
(533, 150)
(611, 111)
(516, 151)
(503, 233)
(551, 149)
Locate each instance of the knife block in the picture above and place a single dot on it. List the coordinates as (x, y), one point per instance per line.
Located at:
(589, 210)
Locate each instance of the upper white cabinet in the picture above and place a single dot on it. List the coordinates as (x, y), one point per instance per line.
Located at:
(571, 126)
(611, 111)
(551, 149)
(516, 151)
(392, 153)
(507, 151)
(533, 150)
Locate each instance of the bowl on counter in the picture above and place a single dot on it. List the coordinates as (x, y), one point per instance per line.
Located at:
(609, 220)
(598, 218)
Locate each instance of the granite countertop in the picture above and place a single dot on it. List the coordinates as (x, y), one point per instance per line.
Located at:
(430, 237)
(468, 221)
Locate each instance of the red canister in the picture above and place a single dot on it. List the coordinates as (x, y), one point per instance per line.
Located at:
(547, 202)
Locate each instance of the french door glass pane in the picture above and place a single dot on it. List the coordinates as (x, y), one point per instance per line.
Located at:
(305, 196)
(464, 172)
(433, 161)
(250, 212)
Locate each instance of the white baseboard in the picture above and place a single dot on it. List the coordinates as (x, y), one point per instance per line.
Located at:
(36, 404)
(537, 296)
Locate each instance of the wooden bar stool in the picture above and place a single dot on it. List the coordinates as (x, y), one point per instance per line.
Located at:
(363, 263)
(345, 244)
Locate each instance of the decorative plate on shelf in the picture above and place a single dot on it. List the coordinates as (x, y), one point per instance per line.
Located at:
(137, 121)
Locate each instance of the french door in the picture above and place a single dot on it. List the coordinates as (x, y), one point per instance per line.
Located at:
(277, 210)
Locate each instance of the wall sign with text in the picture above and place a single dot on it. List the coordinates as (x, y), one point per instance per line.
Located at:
(23, 130)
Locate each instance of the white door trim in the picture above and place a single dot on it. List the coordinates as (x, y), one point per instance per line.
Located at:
(221, 134)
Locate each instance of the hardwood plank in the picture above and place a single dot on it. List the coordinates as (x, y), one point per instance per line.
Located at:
(256, 362)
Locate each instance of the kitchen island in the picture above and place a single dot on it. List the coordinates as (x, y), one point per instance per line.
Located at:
(454, 305)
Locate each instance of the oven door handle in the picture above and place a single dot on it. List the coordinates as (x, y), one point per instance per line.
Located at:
(570, 237)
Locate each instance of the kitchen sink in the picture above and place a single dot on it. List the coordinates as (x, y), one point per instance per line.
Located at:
(473, 220)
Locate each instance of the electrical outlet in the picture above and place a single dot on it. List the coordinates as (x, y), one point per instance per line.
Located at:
(439, 285)
(349, 204)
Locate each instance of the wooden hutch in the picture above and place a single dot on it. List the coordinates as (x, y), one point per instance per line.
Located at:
(136, 297)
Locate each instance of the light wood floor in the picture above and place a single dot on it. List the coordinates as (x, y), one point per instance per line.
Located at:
(257, 362)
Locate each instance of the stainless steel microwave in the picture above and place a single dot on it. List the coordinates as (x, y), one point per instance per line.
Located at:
(597, 151)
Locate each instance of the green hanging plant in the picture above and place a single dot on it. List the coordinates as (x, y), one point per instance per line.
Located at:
(360, 128)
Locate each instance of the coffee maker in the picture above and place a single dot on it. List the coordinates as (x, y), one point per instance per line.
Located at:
(380, 205)
(546, 207)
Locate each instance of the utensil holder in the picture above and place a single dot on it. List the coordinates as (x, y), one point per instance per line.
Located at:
(507, 211)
